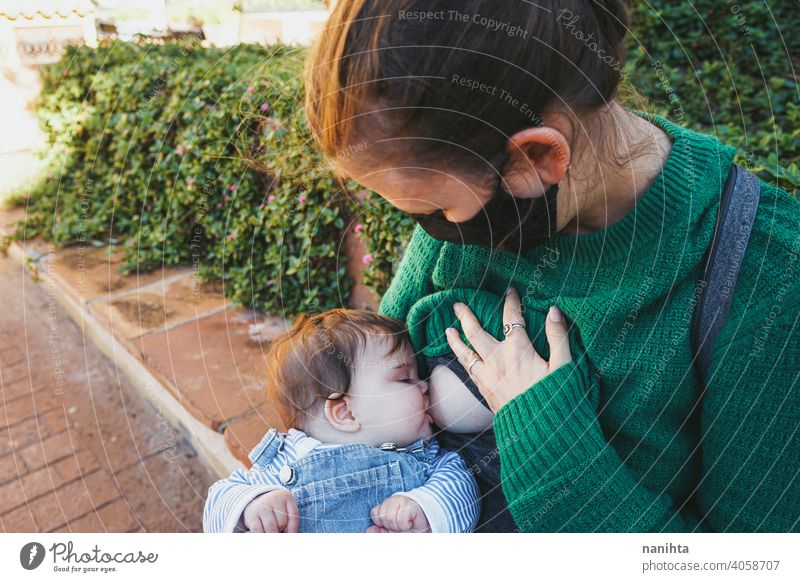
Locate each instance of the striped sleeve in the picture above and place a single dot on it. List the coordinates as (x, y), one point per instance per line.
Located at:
(228, 498)
(450, 497)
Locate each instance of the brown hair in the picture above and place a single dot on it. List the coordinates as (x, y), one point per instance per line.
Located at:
(312, 361)
(392, 56)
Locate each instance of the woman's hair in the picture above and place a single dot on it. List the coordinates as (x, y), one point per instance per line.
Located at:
(313, 360)
(422, 64)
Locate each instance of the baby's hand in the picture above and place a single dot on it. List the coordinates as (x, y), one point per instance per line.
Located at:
(272, 512)
(398, 514)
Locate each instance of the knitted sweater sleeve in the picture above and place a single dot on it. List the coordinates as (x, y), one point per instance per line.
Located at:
(558, 472)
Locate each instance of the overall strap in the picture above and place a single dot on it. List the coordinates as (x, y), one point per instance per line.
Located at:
(722, 264)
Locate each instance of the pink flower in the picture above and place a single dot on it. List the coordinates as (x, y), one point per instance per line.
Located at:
(58, 219)
(271, 198)
(180, 151)
(358, 228)
(266, 84)
(261, 206)
(231, 237)
(265, 107)
(302, 199)
(131, 243)
(367, 259)
(232, 187)
(226, 198)
(250, 89)
(190, 182)
(270, 282)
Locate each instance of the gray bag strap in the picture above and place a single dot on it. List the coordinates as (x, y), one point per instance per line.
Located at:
(723, 261)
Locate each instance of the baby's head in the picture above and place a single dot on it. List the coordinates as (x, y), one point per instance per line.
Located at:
(349, 376)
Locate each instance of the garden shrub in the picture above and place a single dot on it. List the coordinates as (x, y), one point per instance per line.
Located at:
(155, 147)
(729, 66)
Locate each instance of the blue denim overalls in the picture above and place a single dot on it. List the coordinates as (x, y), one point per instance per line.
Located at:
(335, 488)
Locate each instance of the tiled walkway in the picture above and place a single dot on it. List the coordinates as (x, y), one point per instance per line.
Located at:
(80, 449)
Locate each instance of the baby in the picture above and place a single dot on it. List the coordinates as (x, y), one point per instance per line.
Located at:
(360, 455)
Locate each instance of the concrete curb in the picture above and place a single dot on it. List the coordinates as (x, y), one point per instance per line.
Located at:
(209, 444)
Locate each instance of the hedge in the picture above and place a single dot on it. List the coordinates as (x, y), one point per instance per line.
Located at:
(153, 147)
(729, 66)
(151, 143)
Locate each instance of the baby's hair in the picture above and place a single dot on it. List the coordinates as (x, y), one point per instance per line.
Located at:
(313, 360)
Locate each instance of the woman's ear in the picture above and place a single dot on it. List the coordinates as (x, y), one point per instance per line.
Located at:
(339, 415)
(538, 158)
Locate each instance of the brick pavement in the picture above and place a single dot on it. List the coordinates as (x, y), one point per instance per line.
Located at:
(80, 449)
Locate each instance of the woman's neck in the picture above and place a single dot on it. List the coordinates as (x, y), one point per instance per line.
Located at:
(611, 192)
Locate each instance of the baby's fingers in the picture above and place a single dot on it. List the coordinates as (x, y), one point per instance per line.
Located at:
(252, 521)
(406, 517)
(281, 517)
(269, 520)
(384, 515)
(293, 522)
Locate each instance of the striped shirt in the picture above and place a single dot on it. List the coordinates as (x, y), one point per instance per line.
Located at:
(449, 498)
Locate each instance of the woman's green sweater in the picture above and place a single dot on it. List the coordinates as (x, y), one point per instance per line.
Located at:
(623, 438)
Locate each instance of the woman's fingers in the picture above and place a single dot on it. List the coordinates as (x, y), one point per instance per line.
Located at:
(557, 338)
(460, 349)
(512, 310)
(483, 343)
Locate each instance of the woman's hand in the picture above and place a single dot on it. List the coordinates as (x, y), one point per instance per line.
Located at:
(508, 368)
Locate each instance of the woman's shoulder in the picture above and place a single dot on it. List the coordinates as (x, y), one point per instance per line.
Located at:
(767, 292)
(774, 244)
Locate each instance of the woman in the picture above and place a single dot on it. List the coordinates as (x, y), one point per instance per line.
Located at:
(495, 124)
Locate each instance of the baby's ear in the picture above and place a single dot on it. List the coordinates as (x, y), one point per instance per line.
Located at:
(337, 411)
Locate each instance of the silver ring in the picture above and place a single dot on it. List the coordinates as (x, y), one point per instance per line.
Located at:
(472, 363)
(507, 327)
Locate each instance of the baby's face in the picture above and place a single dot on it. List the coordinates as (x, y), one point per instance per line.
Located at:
(387, 396)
